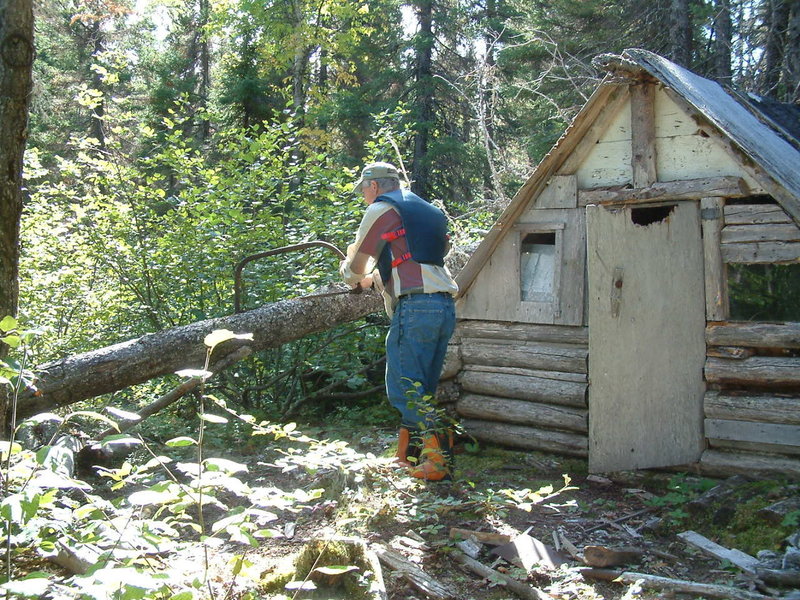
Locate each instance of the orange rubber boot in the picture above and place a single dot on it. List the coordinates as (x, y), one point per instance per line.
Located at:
(434, 462)
(408, 448)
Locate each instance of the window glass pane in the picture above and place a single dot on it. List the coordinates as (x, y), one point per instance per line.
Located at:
(764, 292)
(537, 267)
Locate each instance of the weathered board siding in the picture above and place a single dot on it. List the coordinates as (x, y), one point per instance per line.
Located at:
(495, 294)
(759, 233)
(682, 149)
(524, 385)
(752, 404)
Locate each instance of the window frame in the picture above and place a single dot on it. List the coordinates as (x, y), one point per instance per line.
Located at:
(543, 310)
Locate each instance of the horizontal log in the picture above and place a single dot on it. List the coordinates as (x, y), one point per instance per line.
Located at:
(751, 431)
(116, 367)
(750, 214)
(535, 389)
(452, 362)
(754, 335)
(717, 463)
(759, 371)
(507, 410)
(761, 253)
(689, 189)
(559, 375)
(767, 232)
(730, 352)
(761, 408)
(752, 447)
(520, 436)
(501, 330)
(530, 355)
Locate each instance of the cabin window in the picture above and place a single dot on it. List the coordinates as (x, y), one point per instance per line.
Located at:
(764, 292)
(537, 266)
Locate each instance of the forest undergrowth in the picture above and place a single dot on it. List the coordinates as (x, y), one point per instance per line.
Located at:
(229, 512)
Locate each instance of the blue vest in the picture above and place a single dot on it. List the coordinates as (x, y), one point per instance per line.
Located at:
(425, 230)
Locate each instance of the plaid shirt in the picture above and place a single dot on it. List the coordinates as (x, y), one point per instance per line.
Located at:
(409, 277)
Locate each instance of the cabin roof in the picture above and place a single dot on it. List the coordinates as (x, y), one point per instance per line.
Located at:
(767, 132)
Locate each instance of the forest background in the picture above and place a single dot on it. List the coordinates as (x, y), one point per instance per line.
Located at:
(168, 140)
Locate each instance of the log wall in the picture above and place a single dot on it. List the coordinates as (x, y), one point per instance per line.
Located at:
(759, 233)
(752, 402)
(524, 385)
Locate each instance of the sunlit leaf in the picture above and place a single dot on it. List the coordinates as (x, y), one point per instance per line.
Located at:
(123, 414)
(42, 418)
(336, 569)
(12, 340)
(153, 496)
(8, 323)
(33, 585)
(212, 418)
(180, 441)
(300, 585)
(120, 439)
(224, 465)
(189, 373)
(92, 415)
(216, 337)
(5, 446)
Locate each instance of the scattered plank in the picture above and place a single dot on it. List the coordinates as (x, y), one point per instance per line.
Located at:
(522, 590)
(742, 560)
(603, 556)
(526, 552)
(676, 585)
(570, 547)
(606, 522)
(484, 537)
(415, 576)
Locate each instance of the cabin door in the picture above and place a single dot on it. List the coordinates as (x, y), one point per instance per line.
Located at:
(646, 336)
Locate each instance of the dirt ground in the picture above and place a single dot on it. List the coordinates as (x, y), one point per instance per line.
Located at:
(415, 519)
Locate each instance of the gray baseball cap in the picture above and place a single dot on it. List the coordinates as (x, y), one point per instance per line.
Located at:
(376, 170)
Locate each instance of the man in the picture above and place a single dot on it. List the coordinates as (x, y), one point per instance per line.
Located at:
(406, 238)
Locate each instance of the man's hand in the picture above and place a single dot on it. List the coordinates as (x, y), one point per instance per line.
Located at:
(366, 283)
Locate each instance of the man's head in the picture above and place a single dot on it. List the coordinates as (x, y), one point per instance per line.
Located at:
(377, 178)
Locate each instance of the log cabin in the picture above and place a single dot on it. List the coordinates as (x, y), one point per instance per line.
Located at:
(605, 315)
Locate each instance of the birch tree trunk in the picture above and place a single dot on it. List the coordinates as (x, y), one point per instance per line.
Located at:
(16, 61)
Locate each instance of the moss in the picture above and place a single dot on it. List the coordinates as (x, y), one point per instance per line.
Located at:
(733, 522)
(327, 553)
(276, 578)
(747, 530)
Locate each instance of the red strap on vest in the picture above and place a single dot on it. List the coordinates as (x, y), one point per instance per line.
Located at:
(393, 235)
(401, 259)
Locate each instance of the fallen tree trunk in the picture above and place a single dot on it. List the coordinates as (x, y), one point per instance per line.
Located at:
(68, 380)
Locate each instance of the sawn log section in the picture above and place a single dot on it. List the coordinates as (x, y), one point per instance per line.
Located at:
(63, 382)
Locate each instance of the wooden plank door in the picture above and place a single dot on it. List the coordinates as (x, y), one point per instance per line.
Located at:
(646, 336)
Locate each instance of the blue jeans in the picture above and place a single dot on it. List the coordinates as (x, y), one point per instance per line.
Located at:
(415, 349)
